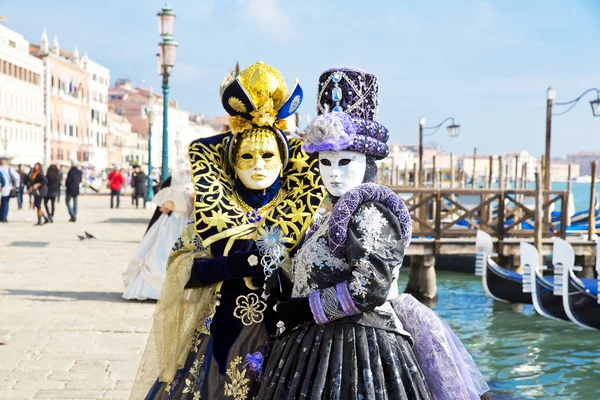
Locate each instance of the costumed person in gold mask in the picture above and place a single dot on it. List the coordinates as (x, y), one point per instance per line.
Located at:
(256, 194)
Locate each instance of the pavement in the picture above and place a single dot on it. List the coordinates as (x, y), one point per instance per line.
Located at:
(65, 331)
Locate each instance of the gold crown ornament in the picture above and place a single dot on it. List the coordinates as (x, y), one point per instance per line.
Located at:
(257, 96)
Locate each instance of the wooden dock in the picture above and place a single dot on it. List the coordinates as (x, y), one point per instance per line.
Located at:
(446, 221)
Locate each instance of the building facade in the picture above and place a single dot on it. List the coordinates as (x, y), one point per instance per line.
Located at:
(21, 101)
(135, 103)
(99, 82)
(584, 159)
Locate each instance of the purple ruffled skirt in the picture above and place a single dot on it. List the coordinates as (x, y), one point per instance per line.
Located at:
(449, 370)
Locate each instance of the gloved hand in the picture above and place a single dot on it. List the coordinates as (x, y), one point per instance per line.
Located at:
(293, 313)
(207, 271)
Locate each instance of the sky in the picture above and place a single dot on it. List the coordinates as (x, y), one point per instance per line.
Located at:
(485, 63)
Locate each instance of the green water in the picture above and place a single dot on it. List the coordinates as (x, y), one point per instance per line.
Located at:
(521, 354)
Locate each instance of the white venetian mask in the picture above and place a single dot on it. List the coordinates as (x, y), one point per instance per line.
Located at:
(342, 170)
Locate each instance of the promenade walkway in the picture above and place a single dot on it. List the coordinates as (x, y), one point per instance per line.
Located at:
(65, 332)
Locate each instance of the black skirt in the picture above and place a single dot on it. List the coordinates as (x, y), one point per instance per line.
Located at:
(342, 360)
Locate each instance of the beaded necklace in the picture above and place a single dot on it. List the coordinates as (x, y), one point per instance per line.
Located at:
(254, 214)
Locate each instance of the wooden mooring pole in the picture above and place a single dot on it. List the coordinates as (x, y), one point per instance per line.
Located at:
(592, 214)
(539, 201)
(474, 167)
(451, 170)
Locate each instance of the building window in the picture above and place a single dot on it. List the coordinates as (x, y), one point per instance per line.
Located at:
(11, 43)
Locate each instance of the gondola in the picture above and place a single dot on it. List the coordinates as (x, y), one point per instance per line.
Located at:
(546, 301)
(580, 296)
(499, 283)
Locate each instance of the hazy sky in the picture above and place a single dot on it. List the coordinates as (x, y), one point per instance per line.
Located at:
(487, 63)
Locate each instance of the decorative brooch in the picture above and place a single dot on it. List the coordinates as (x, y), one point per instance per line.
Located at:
(249, 309)
(253, 260)
(253, 215)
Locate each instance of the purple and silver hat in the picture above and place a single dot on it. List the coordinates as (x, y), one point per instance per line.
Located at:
(347, 103)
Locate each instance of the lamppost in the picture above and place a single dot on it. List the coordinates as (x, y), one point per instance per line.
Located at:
(453, 131)
(150, 116)
(166, 62)
(550, 96)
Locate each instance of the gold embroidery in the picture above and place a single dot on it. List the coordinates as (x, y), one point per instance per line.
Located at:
(238, 388)
(237, 104)
(190, 382)
(196, 341)
(249, 309)
(215, 204)
(294, 104)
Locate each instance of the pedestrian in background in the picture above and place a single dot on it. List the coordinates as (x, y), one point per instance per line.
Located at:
(61, 181)
(131, 180)
(72, 184)
(140, 183)
(11, 181)
(115, 185)
(53, 177)
(23, 181)
(39, 189)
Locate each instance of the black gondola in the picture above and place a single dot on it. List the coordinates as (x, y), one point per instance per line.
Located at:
(499, 283)
(579, 295)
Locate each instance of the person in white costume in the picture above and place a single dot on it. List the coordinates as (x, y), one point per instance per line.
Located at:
(146, 272)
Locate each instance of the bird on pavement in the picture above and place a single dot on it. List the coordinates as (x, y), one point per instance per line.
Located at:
(81, 237)
(89, 236)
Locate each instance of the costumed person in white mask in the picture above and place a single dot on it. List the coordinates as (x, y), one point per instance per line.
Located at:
(256, 194)
(146, 273)
(339, 336)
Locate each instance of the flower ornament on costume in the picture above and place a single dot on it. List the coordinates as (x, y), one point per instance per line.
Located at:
(330, 131)
(249, 309)
(253, 260)
(255, 361)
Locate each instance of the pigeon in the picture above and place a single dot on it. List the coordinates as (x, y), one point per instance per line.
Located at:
(81, 237)
(89, 236)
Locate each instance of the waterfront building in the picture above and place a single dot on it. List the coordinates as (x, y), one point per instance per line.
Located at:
(99, 82)
(521, 158)
(134, 104)
(22, 119)
(584, 160)
(65, 102)
(559, 170)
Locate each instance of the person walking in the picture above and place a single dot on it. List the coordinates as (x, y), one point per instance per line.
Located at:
(39, 189)
(11, 181)
(115, 179)
(72, 185)
(140, 183)
(131, 177)
(61, 181)
(23, 181)
(53, 177)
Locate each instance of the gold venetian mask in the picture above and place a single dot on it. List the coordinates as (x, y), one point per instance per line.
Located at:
(258, 159)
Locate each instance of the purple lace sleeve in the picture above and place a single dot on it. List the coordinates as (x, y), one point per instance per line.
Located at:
(449, 370)
(349, 203)
(316, 306)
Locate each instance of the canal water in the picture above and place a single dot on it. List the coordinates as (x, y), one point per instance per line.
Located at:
(521, 354)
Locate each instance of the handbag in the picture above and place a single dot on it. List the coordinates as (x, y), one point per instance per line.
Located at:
(13, 193)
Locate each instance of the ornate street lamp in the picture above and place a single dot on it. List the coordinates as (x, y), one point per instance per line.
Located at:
(453, 131)
(550, 97)
(150, 117)
(166, 62)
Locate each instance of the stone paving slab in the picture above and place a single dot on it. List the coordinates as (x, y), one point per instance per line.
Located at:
(65, 331)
